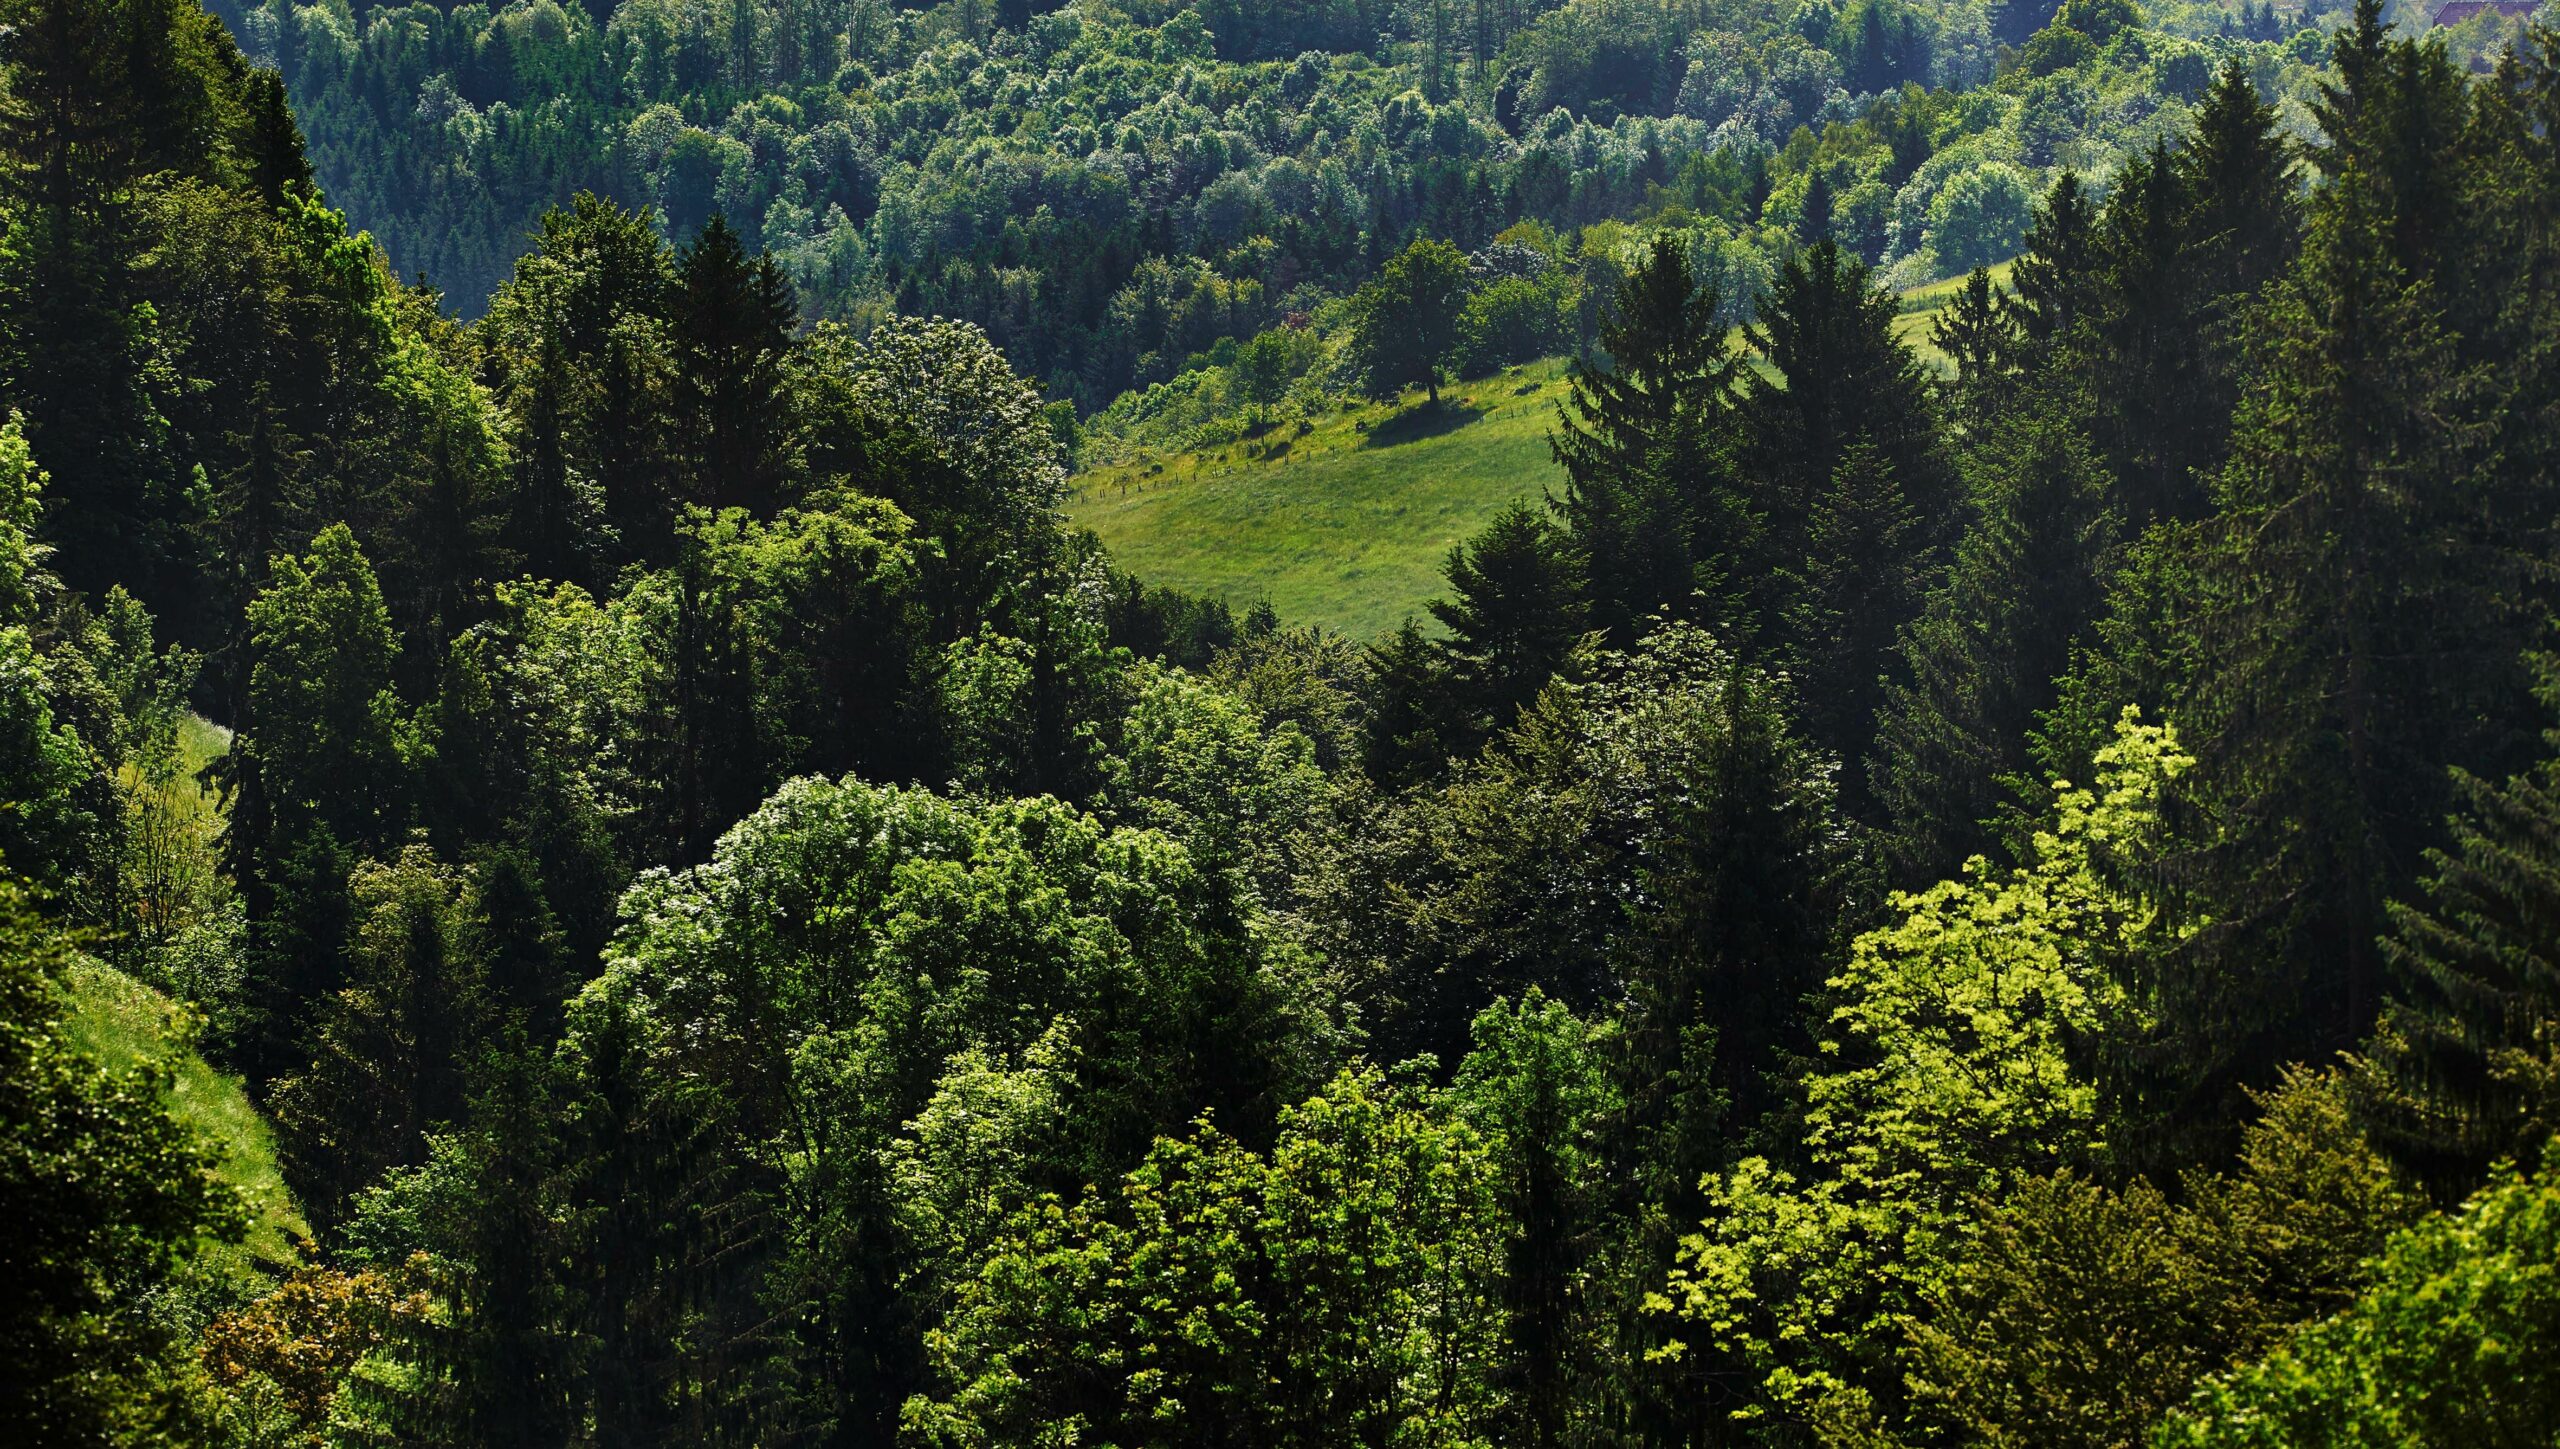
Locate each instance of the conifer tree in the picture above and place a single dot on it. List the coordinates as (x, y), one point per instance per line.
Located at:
(278, 163)
(544, 522)
(1514, 617)
(2156, 421)
(1979, 665)
(1979, 333)
(2057, 272)
(2466, 1068)
(1646, 506)
(1842, 378)
(734, 319)
(2354, 623)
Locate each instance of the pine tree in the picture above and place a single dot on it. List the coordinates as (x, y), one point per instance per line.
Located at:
(1646, 506)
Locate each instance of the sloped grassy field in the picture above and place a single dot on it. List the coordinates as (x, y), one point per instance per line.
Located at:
(1347, 523)
(123, 1022)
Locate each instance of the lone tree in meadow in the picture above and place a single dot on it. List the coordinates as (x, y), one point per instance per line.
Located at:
(1408, 318)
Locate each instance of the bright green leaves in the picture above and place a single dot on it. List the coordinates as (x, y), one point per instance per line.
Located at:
(1950, 1071)
(1339, 1289)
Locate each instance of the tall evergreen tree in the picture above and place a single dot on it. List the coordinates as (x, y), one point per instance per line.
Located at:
(1980, 664)
(1514, 616)
(2057, 272)
(2346, 628)
(2466, 1068)
(1979, 333)
(1651, 519)
(734, 319)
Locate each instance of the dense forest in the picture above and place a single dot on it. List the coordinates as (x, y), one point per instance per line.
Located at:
(2009, 896)
(1111, 189)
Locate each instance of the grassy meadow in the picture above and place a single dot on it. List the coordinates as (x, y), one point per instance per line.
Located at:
(1345, 520)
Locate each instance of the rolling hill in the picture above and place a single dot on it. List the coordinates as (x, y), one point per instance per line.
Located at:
(1346, 520)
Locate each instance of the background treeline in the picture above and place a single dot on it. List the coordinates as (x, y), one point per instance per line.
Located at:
(2011, 907)
(1109, 190)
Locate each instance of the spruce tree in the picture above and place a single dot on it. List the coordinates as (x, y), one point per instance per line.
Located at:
(278, 165)
(1841, 378)
(2348, 627)
(1979, 666)
(734, 319)
(1514, 617)
(2466, 1068)
(2056, 274)
(1646, 505)
(1979, 333)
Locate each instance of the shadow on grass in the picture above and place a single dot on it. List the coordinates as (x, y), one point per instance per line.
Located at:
(1424, 420)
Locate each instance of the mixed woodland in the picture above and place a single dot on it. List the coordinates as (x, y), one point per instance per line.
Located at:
(2009, 896)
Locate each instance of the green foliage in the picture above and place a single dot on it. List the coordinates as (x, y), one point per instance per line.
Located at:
(109, 1198)
(1950, 1072)
(1338, 1289)
(1649, 526)
(2449, 1346)
(1407, 320)
(2082, 1315)
(792, 1004)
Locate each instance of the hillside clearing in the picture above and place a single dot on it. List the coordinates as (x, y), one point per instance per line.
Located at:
(1348, 523)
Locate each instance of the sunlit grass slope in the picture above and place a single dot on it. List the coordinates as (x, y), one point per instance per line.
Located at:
(122, 1022)
(1347, 524)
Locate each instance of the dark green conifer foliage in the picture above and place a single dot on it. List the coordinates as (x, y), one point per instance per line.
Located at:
(2150, 368)
(1978, 667)
(1514, 617)
(2244, 214)
(703, 745)
(2466, 1070)
(1645, 504)
(734, 318)
(273, 145)
(1410, 734)
(2057, 274)
(545, 518)
(1815, 225)
(1865, 571)
(1842, 379)
(2351, 625)
(1980, 335)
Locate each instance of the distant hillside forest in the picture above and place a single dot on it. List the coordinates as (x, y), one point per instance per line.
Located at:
(616, 874)
(1110, 189)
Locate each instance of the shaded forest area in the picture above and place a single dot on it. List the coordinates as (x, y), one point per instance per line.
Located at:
(2016, 908)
